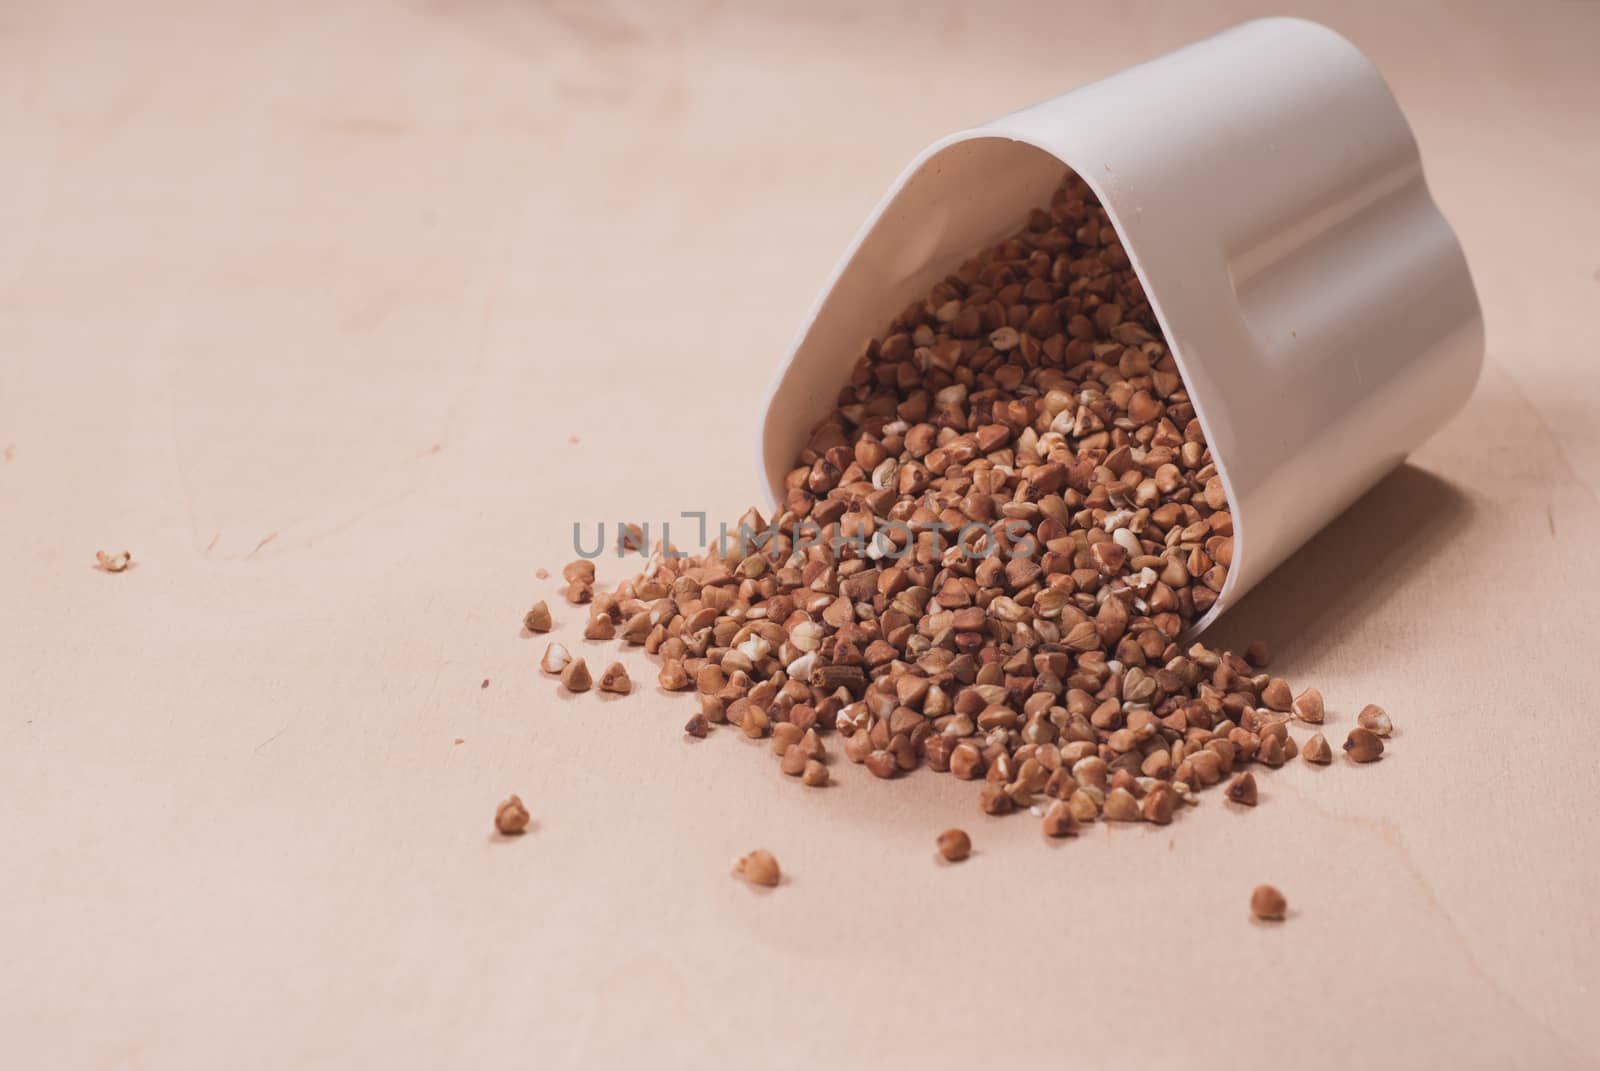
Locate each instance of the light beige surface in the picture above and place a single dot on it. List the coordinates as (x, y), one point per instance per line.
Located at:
(304, 308)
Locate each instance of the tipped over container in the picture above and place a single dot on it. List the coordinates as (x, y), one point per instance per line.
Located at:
(1270, 196)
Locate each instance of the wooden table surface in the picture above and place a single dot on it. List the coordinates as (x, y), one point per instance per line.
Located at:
(338, 316)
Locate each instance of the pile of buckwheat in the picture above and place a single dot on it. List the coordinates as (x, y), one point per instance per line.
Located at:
(984, 562)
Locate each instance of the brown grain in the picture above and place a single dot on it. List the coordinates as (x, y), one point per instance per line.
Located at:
(511, 817)
(759, 867)
(112, 563)
(1363, 745)
(1059, 821)
(954, 845)
(1317, 750)
(537, 619)
(1375, 719)
(615, 679)
(575, 677)
(1268, 904)
(1242, 789)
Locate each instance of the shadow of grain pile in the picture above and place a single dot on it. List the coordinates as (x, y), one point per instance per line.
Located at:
(1337, 582)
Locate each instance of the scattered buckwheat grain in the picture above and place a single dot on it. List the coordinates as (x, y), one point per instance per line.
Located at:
(615, 679)
(1272, 750)
(112, 563)
(994, 799)
(1242, 789)
(1121, 806)
(672, 676)
(811, 744)
(756, 723)
(630, 537)
(575, 677)
(555, 658)
(1158, 805)
(511, 817)
(1373, 717)
(538, 618)
(1363, 745)
(1317, 750)
(1268, 904)
(785, 735)
(882, 763)
(954, 845)
(793, 761)
(1059, 821)
(759, 868)
(1308, 706)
